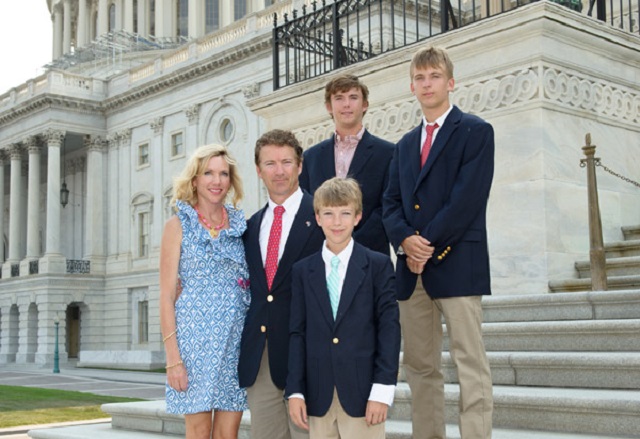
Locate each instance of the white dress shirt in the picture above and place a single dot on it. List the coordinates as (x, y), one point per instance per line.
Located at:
(439, 121)
(291, 206)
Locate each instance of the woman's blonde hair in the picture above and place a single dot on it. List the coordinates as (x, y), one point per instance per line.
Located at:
(183, 189)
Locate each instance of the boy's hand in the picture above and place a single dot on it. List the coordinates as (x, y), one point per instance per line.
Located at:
(298, 412)
(376, 412)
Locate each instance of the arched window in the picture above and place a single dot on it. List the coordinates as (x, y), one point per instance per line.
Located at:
(239, 9)
(212, 15)
(112, 17)
(183, 18)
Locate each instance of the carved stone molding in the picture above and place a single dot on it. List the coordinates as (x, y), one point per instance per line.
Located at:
(192, 112)
(32, 143)
(112, 141)
(97, 144)
(15, 151)
(124, 136)
(3, 157)
(251, 90)
(157, 124)
(54, 137)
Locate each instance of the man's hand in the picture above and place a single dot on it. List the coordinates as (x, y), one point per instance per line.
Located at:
(298, 413)
(415, 266)
(376, 412)
(417, 248)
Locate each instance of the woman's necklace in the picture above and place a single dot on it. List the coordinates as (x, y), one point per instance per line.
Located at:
(213, 230)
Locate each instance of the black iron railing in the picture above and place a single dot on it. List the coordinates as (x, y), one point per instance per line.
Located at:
(78, 266)
(330, 36)
(33, 267)
(15, 270)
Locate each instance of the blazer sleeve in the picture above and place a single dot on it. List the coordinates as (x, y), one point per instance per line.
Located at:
(296, 377)
(470, 191)
(393, 216)
(388, 328)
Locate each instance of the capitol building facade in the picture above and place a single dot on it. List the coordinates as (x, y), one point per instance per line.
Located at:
(88, 150)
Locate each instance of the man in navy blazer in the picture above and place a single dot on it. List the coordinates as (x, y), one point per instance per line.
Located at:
(264, 349)
(354, 152)
(435, 216)
(344, 351)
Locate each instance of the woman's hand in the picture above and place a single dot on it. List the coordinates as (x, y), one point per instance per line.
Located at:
(177, 377)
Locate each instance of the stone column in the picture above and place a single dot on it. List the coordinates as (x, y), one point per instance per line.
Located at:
(255, 6)
(157, 158)
(78, 204)
(124, 212)
(164, 18)
(128, 15)
(113, 196)
(226, 13)
(119, 24)
(3, 158)
(82, 33)
(94, 222)
(27, 335)
(143, 18)
(33, 204)
(15, 198)
(67, 213)
(103, 17)
(53, 261)
(66, 30)
(196, 18)
(56, 17)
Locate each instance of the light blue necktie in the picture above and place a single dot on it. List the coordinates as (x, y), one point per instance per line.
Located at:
(333, 285)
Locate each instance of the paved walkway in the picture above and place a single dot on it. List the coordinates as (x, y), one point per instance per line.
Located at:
(144, 385)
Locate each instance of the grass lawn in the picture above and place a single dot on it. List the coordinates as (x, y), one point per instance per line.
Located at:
(31, 405)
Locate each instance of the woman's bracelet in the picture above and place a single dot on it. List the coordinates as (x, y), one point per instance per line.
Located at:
(168, 336)
(174, 365)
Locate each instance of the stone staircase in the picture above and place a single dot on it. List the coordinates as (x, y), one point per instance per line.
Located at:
(564, 366)
(622, 265)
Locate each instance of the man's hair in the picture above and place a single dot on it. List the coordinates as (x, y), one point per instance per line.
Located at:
(343, 83)
(337, 192)
(278, 138)
(433, 57)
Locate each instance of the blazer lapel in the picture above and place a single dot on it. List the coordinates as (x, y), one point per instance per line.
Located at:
(301, 229)
(413, 153)
(318, 284)
(253, 253)
(356, 272)
(362, 154)
(450, 125)
(328, 166)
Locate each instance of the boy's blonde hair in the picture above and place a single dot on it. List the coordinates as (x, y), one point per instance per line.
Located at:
(337, 192)
(183, 189)
(433, 57)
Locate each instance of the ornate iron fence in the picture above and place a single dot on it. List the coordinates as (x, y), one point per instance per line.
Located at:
(15, 270)
(330, 36)
(33, 267)
(78, 266)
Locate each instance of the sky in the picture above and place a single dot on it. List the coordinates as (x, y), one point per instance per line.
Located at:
(25, 41)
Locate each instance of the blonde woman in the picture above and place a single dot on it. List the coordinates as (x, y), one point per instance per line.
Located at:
(201, 326)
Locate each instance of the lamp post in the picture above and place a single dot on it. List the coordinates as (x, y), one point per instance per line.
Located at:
(56, 355)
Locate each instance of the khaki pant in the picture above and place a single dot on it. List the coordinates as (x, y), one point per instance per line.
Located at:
(336, 424)
(420, 318)
(269, 411)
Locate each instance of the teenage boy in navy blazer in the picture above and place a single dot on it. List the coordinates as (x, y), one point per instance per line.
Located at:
(435, 215)
(353, 152)
(344, 328)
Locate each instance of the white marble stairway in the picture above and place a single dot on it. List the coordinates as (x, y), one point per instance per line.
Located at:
(565, 366)
(622, 266)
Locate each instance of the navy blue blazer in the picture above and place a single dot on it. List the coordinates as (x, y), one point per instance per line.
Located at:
(360, 348)
(445, 202)
(305, 238)
(370, 167)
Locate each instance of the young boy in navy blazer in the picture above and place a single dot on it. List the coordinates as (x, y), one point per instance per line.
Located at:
(344, 327)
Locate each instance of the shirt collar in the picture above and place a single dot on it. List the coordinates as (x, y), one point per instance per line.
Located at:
(344, 255)
(357, 137)
(291, 204)
(440, 120)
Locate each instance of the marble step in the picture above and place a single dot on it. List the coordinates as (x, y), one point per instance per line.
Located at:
(623, 266)
(631, 232)
(394, 430)
(586, 305)
(560, 410)
(620, 335)
(597, 370)
(631, 282)
(618, 249)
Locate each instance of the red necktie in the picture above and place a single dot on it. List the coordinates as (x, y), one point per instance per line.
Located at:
(273, 246)
(426, 147)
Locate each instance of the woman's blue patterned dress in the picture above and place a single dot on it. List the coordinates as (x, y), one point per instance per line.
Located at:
(210, 314)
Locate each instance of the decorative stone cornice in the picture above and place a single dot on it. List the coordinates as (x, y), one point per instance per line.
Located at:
(54, 137)
(112, 141)
(157, 124)
(41, 102)
(15, 151)
(124, 136)
(192, 112)
(3, 157)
